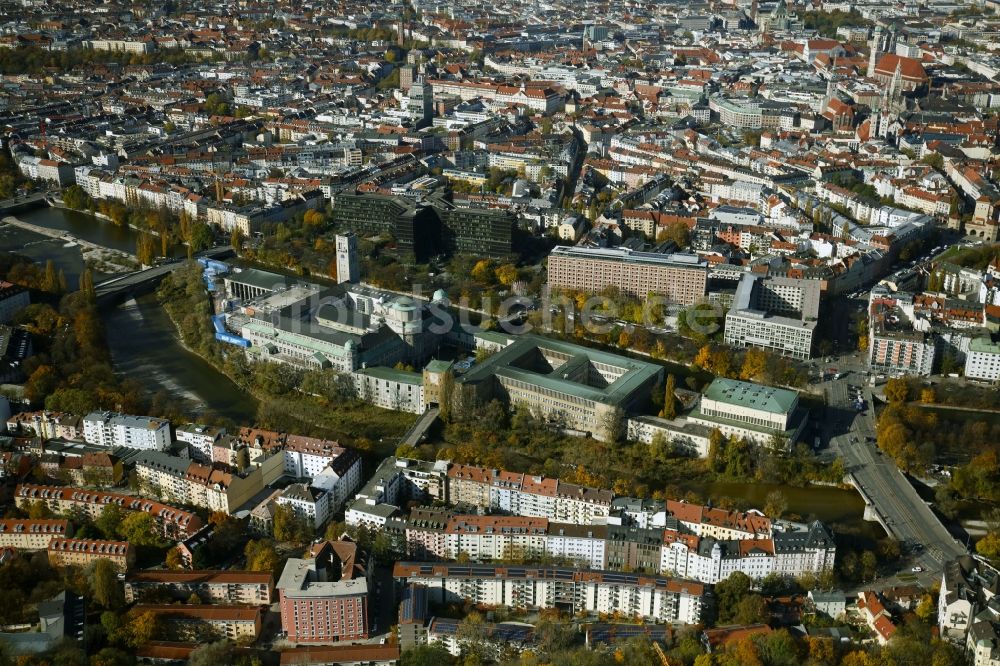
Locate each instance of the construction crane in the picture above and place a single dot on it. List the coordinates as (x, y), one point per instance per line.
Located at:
(661, 654)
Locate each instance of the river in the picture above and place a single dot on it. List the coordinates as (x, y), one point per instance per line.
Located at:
(840, 509)
(140, 335)
(144, 345)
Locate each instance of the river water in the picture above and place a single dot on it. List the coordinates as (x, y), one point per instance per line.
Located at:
(144, 345)
(140, 335)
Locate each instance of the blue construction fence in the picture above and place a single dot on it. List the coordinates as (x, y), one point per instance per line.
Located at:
(222, 335)
(212, 270)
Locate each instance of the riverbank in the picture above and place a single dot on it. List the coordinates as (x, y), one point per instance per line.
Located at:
(286, 406)
(104, 260)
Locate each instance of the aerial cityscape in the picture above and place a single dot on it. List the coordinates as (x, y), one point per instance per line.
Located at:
(540, 333)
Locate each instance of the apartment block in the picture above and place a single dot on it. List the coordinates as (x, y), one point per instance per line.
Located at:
(527, 495)
(134, 432)
(307, 502)
(216, 487)
(82, 552)
(906, 352)
(174, 523)
(774, 313)
(969, 587)
(395, 482)
(325, 599)
(47, 425)
(482, 232)
(681, 278)
(435, 534)
(807, 549)
(200, 439)
(413, 227)
(899, 339)
(248, 588)
(30, 534)
(982, 361)
(236, 623)
(569, 590)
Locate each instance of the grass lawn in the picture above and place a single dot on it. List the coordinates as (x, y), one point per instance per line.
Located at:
(946, 413)
(346, 422)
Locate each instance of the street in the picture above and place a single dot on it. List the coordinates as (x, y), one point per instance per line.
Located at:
(924, 540)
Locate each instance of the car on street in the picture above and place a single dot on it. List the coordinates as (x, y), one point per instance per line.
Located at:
(917, 569)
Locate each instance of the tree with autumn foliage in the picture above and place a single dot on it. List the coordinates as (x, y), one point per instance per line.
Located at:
(506, 274)
(897, 390)
(754, 364)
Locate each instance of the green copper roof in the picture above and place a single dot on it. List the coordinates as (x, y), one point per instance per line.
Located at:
(984, 345)
(751, 396)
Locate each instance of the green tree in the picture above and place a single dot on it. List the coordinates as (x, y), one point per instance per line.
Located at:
(472, 638)
(677, 232)
(109, 521)
(140, 628)
(989, 546)
(139, 528)
(174, 559)
(669, 398)
(506, 274)
(716, 450)
(145, 249)
(751, 609)
(869, 565)
(729, 593)
(76, 198)
(201, 237)
(289, 526)
(112, 657)
(50, 282)
(105, 588)
(434, 654)
(739, 457)
(38, 510)
(754, 364)
(41, 383)
(446, 391)
(217, 653)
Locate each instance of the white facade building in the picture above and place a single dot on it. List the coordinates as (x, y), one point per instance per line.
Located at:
(307, 502)
(983, 360)
(648, 597)
(135, 432)
(779, 314)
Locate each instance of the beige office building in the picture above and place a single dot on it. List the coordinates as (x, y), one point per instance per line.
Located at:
(680, 278)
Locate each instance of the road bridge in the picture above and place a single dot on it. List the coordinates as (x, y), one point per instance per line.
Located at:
(122, 287)
(890, 499)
